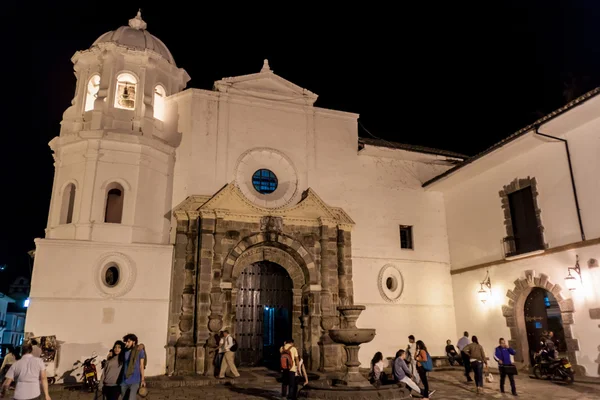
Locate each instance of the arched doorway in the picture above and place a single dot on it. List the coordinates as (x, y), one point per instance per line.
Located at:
(263, 313)
(542, 315)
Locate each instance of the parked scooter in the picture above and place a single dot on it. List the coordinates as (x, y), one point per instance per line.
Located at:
(558, 369)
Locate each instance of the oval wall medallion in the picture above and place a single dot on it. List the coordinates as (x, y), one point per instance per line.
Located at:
(390, 283)
(114, 274)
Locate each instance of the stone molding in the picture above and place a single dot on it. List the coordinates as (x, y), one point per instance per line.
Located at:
(390, 271)
(127, 274)
(514, 313)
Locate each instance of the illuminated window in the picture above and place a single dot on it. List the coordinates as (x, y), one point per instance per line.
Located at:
(68, 204)
(92, 92)
(264, 181)
(125, 93)
(114, 204)
(159, 102)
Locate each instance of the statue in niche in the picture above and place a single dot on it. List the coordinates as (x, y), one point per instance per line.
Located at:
(271, 224)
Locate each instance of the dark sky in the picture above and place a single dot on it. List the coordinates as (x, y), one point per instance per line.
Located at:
(453, 76)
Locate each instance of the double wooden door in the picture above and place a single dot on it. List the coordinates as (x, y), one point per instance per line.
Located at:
(263, 313)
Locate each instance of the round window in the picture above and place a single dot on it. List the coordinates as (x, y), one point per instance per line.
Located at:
(111, 276)
(391, 283)
(264, 181)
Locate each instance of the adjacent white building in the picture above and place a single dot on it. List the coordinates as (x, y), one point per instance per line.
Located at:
(177, 213)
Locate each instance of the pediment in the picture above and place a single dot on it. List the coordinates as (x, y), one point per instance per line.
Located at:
(230, 203)
(266, 85)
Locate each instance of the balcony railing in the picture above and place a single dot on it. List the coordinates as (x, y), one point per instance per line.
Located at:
(517, 245)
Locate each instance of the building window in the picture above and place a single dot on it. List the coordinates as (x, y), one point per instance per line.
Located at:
(159, 102)
(68, 204)
(264, 181)
(406, 237)
(111, 276)
(522, 218)
(114, 204)
(125, 91)
(93, 87)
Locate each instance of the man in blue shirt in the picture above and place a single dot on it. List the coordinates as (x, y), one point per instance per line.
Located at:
(502, 356)
(133, 367)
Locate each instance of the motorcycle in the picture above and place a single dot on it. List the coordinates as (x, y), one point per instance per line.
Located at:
(90, 374)
(558, 369)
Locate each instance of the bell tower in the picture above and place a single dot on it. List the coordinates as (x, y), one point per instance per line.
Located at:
(115, 153)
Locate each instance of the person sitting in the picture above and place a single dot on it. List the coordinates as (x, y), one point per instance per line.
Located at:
(377, 376)
(453, 356)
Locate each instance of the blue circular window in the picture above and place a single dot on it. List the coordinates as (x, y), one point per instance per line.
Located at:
(264, 181)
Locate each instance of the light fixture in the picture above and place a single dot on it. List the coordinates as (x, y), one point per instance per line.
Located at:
(484, 294)
(570, 280)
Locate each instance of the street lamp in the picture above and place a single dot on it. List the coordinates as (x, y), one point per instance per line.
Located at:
(484, 294)
(570, 280)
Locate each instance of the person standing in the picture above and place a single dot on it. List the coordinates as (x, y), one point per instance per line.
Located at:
(112, 371)
(29, 373)
(462, 343)
(422, 356)
(134, 361)
(478, 360)
(228, 357)
(8, 361)
(410, 358)
(505, 365)
(220, 354)
(289, 367)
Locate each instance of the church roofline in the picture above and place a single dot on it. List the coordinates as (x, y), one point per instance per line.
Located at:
(409, 147)
(569, 106)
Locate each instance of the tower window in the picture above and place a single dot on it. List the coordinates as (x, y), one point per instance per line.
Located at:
(264, 181)
(114, 204)
(406, 237)
(125, 93)
(68, 204)
(93, 87)
(159, 102)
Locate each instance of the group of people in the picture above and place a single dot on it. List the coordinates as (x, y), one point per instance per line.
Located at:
(474, 359)
(410, 367)
(124, 370)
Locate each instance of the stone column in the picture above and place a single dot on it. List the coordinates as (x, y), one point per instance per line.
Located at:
(204, 298)
(185, 350)
(346, 288)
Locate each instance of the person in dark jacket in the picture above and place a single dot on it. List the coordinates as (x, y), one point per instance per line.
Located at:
(502, 356)
(453, 356)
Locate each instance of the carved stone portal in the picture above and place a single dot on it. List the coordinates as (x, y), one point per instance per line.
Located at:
(218, 237)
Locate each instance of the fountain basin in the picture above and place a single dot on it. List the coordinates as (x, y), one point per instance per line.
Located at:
(352, 336)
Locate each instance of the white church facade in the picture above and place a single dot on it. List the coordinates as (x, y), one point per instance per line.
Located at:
(178, 213)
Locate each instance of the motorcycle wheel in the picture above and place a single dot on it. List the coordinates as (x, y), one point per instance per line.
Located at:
(537, 372)
(569, 378)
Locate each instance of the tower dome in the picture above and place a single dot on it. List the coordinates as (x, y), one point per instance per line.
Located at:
(135, 36)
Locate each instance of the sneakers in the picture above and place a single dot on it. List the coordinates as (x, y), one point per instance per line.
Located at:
(431, 392)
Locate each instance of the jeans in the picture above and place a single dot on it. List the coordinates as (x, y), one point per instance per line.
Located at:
(218, 362)
(511, 378)
(409, 382)
(111, 392)
(423, 376)
(454, 358)
(288, 381)
(467, 364)
(133, 389)
(477, 367)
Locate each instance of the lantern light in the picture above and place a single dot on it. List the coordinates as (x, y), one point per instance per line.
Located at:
(484, 294)
(570, 280)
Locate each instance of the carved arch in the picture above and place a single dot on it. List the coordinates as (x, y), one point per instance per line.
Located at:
(514, 313)
(273, 254)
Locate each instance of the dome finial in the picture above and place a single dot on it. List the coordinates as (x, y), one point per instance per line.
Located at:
(266, 67)
(137, 22)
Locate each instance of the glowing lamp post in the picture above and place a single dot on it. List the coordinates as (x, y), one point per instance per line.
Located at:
(484, 294)
(570, 280)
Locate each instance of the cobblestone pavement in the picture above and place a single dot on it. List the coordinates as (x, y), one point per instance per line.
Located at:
(448, 385)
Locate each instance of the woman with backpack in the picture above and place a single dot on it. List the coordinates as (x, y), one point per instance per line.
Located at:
(424, 365)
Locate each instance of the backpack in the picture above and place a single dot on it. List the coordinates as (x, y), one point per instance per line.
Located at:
(286, 360)
(234, 346)
(427, 365)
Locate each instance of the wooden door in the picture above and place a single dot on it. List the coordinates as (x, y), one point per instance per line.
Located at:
(263, 313)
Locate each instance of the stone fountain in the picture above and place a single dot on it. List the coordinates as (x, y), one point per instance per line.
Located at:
(352, 384)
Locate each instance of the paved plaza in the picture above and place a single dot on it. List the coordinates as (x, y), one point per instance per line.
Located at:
(448, 385)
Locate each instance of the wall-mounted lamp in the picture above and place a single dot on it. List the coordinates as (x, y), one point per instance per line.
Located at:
(484, 294)
(570, 280)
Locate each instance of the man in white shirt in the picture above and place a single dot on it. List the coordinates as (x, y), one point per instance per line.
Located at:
(410, 358)
(228, 357)
(29, 373)
(461, 344)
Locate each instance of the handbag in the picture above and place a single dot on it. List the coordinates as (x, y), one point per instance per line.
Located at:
(510, 369)
(489, 378)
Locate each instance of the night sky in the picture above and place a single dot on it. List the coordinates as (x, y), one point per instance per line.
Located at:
(453, 76)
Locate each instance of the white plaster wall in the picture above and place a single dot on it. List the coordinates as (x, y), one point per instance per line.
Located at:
(486, 320)
(66, 302)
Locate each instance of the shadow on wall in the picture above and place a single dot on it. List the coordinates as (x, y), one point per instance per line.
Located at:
(70, 353)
